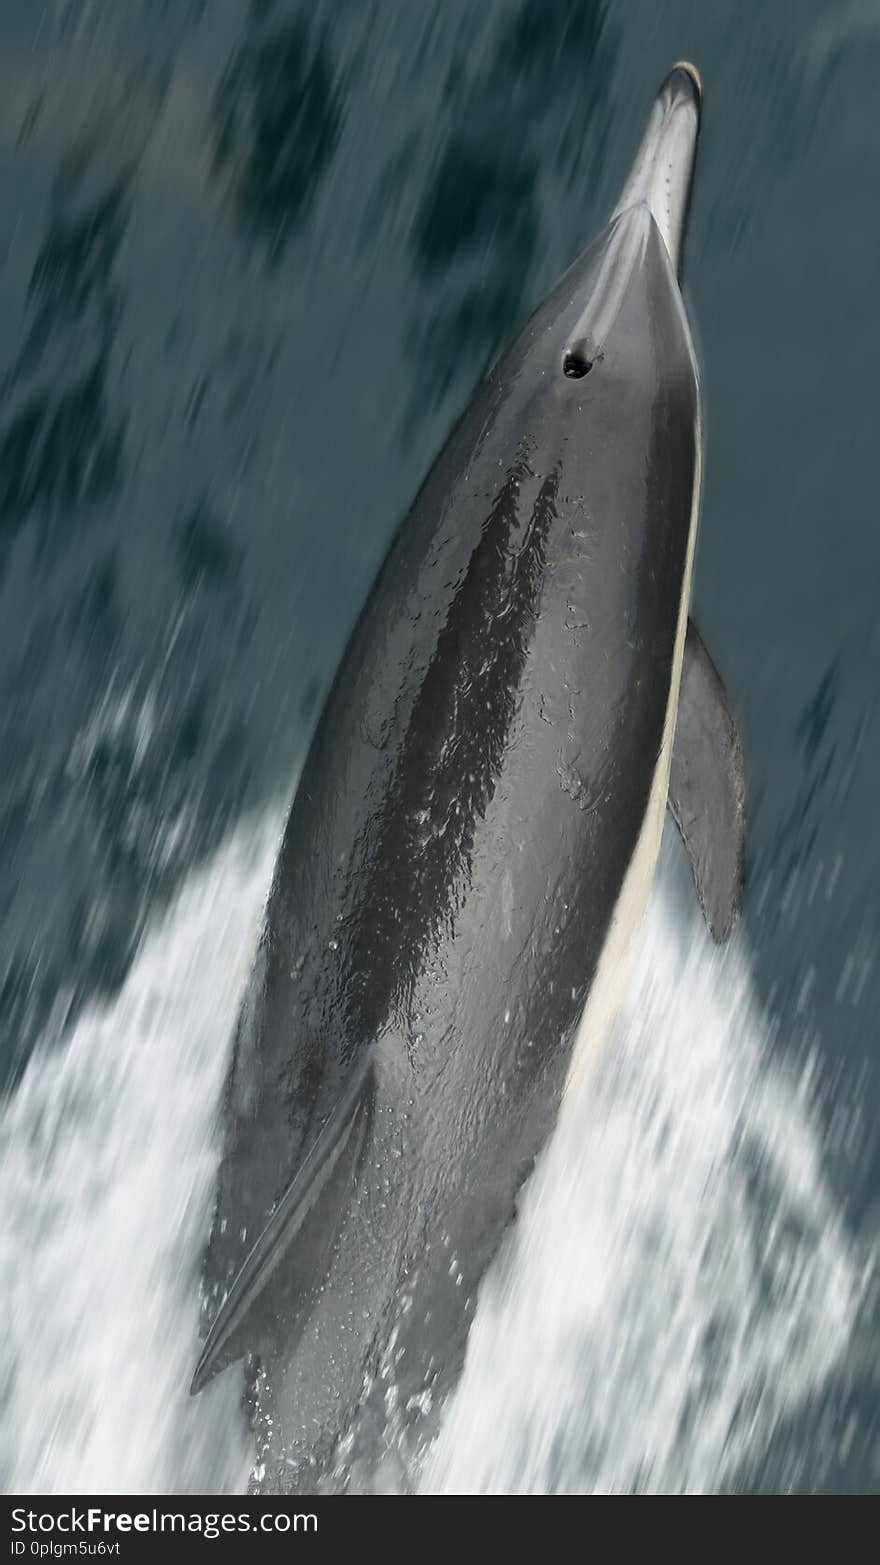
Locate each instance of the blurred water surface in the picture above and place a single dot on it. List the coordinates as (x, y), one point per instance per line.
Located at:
(253, 258)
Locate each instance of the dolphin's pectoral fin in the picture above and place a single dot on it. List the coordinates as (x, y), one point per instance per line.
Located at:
(329, 1163)
(707, 788)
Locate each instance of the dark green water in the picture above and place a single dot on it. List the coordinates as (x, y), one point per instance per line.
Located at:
(253, 258)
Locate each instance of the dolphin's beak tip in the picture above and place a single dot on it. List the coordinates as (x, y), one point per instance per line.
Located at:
(662, 173)
(691, 71)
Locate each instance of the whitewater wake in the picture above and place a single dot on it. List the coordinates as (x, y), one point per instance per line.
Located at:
(108, 1156)
(678, 1280)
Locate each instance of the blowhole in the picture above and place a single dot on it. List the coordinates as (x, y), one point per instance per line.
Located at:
(575, 364)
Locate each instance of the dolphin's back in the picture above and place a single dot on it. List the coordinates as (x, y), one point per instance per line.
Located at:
(468, 809)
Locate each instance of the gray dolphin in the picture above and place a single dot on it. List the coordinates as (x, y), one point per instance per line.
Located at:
(470, 849)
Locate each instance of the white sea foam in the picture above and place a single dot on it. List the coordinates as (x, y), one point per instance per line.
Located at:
(679, 1277)
(107, 1156)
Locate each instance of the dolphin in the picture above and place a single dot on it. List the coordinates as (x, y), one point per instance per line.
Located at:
(469, 852)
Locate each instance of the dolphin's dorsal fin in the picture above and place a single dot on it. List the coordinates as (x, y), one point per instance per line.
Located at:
(707, 788)
(324, 1166)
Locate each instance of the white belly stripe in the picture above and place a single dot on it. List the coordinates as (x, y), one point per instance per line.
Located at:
(616, 958)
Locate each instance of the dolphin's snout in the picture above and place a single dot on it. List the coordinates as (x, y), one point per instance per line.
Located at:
(662, 174)
(691, 71)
